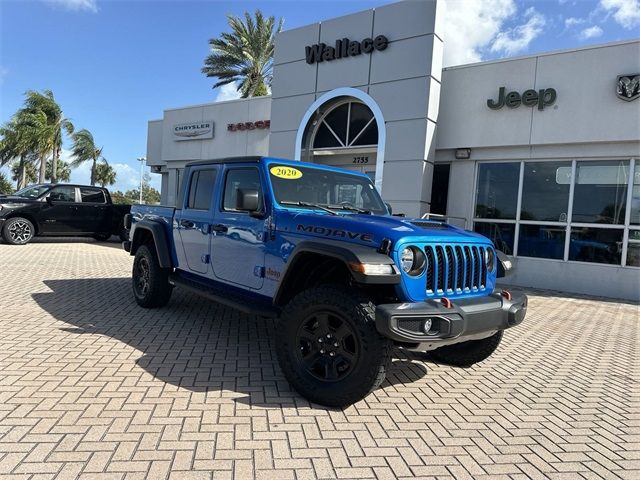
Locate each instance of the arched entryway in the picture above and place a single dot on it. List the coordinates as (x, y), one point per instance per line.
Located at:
(343, 129)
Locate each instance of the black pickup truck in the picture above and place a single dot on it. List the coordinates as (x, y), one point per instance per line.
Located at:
(60, 210)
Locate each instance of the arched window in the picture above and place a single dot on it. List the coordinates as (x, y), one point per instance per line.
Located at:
(347, 124)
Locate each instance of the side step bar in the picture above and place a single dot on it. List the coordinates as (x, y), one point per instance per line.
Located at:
(224, 297)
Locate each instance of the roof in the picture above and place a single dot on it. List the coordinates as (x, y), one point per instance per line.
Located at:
(215, 161)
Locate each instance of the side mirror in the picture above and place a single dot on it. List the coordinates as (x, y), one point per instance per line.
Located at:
(505, 264)
(389, 208)
(248, 200)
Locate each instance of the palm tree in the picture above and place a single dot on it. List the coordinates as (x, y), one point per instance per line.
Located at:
(245, 55)
(22, 139)
(105, 174)
(52, 133)
(84, 149)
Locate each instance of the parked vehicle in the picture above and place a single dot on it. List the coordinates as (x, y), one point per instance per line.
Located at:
(321, 252)
(60, 210)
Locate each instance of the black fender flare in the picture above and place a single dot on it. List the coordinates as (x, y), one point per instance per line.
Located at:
(349, 254)
(159, 236)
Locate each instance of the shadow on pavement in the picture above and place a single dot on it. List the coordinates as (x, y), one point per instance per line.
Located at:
(191, 343)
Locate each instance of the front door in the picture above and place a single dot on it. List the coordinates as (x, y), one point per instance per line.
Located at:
(194, 220)
(59, 214)
(238, 238)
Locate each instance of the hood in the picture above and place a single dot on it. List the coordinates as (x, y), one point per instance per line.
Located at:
(372, 229)
(14, 199)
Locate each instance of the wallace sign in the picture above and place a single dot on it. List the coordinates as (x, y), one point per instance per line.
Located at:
(344, 48)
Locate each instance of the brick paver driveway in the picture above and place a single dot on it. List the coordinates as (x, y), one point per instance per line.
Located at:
(92, 385)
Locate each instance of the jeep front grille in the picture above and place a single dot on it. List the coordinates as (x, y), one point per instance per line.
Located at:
(455, 269)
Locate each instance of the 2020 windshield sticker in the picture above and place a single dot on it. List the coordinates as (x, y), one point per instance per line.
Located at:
(288, 173)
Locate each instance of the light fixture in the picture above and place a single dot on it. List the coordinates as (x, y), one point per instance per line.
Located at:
(463, 153)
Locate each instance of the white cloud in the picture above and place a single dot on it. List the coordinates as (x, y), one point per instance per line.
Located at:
(227, 92)
(591, 32)
(573, 21)
(470, 26)
(76, 5)
(625, 12)
(518, 38)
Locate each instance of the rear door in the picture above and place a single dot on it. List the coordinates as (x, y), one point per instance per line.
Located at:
(59, 214)
(92, 211)
(193, 222)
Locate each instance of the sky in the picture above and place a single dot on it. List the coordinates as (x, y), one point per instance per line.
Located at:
(113, 65)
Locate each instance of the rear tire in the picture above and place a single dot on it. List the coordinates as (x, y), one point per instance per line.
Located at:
(150, 282)
(328, 346)
(467, 353)
(18, 231)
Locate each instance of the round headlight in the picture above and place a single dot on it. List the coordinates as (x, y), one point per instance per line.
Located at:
(406, 259)
(412, 261)
(490, 257)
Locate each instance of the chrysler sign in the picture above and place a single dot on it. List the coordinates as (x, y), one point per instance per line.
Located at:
(193, 130)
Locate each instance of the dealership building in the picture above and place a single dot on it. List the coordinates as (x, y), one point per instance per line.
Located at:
(539, 153)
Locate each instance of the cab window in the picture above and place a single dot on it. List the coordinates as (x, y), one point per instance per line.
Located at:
(240, 179)
(92, 195)
(63, 194)
(201, 189)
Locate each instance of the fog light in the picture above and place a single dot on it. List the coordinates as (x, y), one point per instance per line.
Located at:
(427, 326)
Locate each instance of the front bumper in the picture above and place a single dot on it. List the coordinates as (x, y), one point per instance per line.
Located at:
(464, 319)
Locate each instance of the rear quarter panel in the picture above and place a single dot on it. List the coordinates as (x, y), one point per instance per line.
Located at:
(156, 213)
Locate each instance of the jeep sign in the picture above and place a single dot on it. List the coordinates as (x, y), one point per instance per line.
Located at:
(543, 98)
(193, 130)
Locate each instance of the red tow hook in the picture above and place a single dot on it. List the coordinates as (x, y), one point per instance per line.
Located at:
(506, 294)
(446, 302)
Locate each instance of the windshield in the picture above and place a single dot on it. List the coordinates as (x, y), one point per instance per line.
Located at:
(34, 191)
(307, 187)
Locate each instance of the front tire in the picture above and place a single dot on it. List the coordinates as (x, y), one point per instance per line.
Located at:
(18, 231)
(328, 346)
(151, 287)
(465, 354)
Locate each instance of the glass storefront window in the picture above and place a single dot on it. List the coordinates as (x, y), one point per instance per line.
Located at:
(600, 192)
(633, 249)
(597, 245)
(497, 190)
(635, 196)
(501, 234)
(545, 191)
(541, 241)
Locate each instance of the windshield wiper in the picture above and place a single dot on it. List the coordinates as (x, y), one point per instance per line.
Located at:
(351, 208)
(308, 204)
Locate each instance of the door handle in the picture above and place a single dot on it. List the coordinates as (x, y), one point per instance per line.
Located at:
(187, 224)
(220, 228)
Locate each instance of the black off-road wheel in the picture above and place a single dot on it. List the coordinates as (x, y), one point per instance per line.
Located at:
(468, 353)
(18, 231)
(328, 346)
(151, 287)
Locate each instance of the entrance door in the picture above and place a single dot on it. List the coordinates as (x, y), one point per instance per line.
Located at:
(238, 238)
(195, 219)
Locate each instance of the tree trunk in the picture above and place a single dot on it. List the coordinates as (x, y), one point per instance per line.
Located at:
(43, 169)
(21, 173)
(93, 173)
(54, 165)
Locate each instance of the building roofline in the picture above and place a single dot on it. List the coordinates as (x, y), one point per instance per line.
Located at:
(543, 54)
(216, 103)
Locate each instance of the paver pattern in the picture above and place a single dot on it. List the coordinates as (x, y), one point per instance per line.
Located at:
(93, 386)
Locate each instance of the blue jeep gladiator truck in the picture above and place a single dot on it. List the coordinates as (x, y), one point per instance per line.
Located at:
(318, 249)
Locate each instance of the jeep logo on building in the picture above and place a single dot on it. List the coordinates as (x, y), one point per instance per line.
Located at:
(344, 48)
(543, 98)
